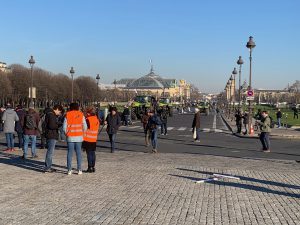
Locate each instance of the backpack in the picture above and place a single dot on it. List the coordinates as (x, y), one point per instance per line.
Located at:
(42, 124)
(30, 122)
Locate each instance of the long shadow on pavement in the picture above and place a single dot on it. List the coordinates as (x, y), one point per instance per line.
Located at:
(243, 186)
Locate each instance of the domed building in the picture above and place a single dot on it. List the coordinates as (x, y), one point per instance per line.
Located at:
(153, 84)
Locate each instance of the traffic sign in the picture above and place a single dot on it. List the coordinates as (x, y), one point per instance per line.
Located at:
(250, 93)
(250, 98)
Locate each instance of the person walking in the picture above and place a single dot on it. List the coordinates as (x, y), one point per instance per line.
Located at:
(238, 121)
(295, 112)
(74, 125)
(144, 121)
(196, 124)
(164, 120)
(152, 124)
(30, 126)
(2, 109)
(265, 127)
(18, 126)
(278, 116)
(52, 125)
(113, 122)
(246, 122)
(9, 118)
(90, 138)
(126, 116)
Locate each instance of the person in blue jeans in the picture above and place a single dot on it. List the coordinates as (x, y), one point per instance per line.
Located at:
(9, 118)
(74, 126)
(153, 122)
(52, 124)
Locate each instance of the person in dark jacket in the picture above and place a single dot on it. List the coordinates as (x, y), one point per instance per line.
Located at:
(163, 114)
(246, 122)
(144, 121)
(52, 125)
(126, 116)
(152, 124)
(278, 116)
(18, 126)
(113, 122)
(238, 121)
(30, 126)
(196, 124)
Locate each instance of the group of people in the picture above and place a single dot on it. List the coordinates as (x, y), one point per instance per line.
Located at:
(242, 119)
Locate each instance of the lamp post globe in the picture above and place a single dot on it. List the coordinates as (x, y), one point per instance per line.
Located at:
(31, 62)
(72, 71)
(240, 62)
(250, 45)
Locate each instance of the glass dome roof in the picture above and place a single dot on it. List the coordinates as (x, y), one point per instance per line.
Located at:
(150, 81)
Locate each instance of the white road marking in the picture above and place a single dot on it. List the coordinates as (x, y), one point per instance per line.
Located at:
(170, 128)
(133, 127)
(214, 126)
(182, 128)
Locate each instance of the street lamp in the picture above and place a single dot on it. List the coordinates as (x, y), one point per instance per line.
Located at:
(234, 72)
(31, 62)
(240, 62)
(250, 45)
(97, 96)
(115, 83)
(229, 97)
(72, 71)
(231, 89)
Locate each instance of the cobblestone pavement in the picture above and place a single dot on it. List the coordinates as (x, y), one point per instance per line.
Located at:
(142, 188)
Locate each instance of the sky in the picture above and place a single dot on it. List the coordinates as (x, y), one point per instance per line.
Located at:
(196, 40)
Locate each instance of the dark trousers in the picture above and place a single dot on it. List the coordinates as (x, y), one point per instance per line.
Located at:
(112, 139)
(295, 115)
(265, 140)
(21, 140)
(91, 158)
(239, 128)
(164, 128)
(43, 141)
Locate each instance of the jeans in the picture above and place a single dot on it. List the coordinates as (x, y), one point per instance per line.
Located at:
(279, 122)
(10, 140)
(27, 139)
(126, 118)
(91, 157)
(71, 147)
(21, 140)
(265, 140)
(147, 136)
(164, 128)
(112, 139)
(154, 138)
(51, 146)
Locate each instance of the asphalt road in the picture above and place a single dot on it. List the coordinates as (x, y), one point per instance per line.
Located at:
(215, 140)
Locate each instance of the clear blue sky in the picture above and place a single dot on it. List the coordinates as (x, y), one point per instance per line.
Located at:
(197, 40)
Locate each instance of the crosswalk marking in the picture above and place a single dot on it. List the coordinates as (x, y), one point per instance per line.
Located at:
(181, 128)
(133, 127)
(170, 128)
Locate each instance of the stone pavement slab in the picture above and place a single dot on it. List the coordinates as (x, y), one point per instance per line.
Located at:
(141, 188)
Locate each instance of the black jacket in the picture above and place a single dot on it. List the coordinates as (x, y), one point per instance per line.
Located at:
(52, 125)
(113, 123)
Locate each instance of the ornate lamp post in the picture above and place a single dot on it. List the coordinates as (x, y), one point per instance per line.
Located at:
(31, 62)
(240, 62)
(250, 45)
(230, 90)
(97, 93)
(234, 73)
(115, 83)
(72, 71)
(229, 96)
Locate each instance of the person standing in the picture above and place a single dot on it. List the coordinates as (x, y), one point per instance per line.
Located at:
(52, 125)
(113, 122)
(196, 124)
(238, 121)
(18, 126)
(278, 116)
(2, 109)
(144, 121)
(152, 124)
(265, 127)
(246, 122)
(126, 115)
(295, 112)
(90, 138)
(30, 126)
(9, 118)
(74, 125)
(164, 120)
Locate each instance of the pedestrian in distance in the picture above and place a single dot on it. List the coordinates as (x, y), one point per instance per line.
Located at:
(278, 117)
(9, 118)
(30, 126)
(90, 138)
(246, 122)
(52, 124)
(265, 127)
(18, 126)
(238, 121)
(113, 122)
(196, 125)
(74, 126)
(152, 124)
(126, 115)
(295, 112)
(144, 121)
(163, 114)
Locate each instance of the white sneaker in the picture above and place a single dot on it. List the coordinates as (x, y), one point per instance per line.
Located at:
(70, 172)
(79, 172)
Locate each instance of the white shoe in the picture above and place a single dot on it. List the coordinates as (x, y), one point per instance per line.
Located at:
(70, 172)
(79, 172)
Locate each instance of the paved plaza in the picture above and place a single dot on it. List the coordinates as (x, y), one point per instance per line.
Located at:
(142, 188)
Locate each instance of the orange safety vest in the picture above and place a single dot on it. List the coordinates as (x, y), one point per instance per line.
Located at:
(74, 123)
(91, 134)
